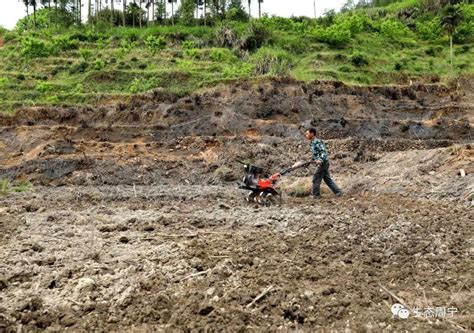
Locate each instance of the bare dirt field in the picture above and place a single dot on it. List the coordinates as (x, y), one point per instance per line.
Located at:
(135, 221)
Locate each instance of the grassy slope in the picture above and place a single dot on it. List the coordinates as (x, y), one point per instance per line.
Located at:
(116, 62)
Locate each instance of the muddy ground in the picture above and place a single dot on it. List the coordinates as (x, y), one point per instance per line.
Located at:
(134, 220)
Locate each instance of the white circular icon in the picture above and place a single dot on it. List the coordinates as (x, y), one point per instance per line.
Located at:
(403, 313)
(395, 308)
(399, 310)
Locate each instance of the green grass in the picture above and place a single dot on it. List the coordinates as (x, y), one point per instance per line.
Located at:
(7, 187)
(118, 63)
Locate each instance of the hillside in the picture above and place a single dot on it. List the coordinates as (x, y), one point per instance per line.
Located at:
(398, 44)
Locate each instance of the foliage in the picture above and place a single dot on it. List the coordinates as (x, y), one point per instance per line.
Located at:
(47, 18)
(359, 59)
(394, 29)
(429, 30)
(186, 12)
(6, 186)
(34, 48)
(271, 61)
(155, 43)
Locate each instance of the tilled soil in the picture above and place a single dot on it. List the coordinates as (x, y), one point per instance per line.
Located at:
(193, 257)
(134, 221)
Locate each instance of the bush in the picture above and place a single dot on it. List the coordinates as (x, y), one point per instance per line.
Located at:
(345, 69)
(221, 55)
(359, 59)
(99, 64)
(64, 43)
(188, 44)
(293, 44)
(155, 43)
(429, 30)
(463, 49)
(191, 53)
(34, 48)
(3, 82)
(85, 54)
(335, 35)
(255, 37)
(464, 32)
(225, 37)
(79, 68)
(44, 86)
(394, 29)
(271, 61)
(434, 51)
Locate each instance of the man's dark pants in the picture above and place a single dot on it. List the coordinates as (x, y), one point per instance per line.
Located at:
(322, 172)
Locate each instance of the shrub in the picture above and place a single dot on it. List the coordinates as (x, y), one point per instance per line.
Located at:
(293, 44)
(358, 59)
(65, 43)
(221, 55)
(191, 53)
(85, 54)
(463, 49)
(271, 61)
(345, 69)
(79, 68)
(155, 43)
(434, 51)
(429, 30)
(394, 29)
(53, 99)
(335, 35)
(188, 44)
(255, 37)
(99, 64)
(44, 86)
(225, 37)
(34, 48)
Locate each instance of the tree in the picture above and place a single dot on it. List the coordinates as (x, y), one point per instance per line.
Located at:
(186, 12)
(260, 8)
(124, 11)
(450, 20)
(160, 11)
(27, 5)
(172, 10)
(235, 11)
(249, 2)
(34, 4)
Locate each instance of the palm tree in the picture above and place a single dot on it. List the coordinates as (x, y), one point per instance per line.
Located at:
(250, 1)
(450, 20)
(34, 4)
(112, 16)
(260, 8)
(27, 6)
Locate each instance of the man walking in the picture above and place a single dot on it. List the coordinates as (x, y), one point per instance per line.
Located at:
(321, 159)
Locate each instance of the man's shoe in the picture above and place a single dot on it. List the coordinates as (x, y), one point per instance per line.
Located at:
(317, 197)
(339, 194)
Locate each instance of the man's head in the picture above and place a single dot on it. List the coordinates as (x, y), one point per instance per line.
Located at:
(310, 133)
